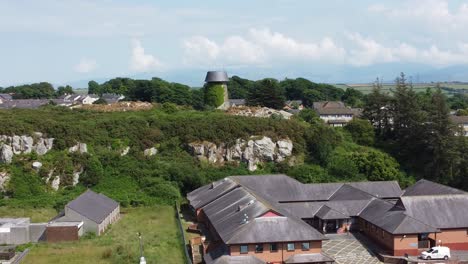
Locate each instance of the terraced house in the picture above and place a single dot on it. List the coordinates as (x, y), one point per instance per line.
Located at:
(276, 219)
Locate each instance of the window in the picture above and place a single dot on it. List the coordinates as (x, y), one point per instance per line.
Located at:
(291, 247)
(244, 249)
(305, 246)
(273, 247)
(259, 248)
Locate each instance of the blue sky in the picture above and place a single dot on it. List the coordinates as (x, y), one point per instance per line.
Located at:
(67, 41)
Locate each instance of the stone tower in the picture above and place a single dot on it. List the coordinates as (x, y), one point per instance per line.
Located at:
(216, 93)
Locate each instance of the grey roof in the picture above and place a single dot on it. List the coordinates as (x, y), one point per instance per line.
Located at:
(216, 76)
(348, 192)
(306, 210)
(237, 101)
(308, 258)
(227, 213)
(332, 108)
(275, 229)
(441, 211)
(380, 189)
(385, 215)
(112, 98)
(226, 259)
(6, 96)
(459, 119)
(94, 206)
(425, 187)
(25, 103)
(326, 213)
(206, 194)
(290, 102)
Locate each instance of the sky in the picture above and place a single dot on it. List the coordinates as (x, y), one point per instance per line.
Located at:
(331, 41)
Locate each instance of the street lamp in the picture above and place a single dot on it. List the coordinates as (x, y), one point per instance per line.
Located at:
(142, 258)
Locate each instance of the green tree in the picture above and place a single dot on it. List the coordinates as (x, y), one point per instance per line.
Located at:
(361, 131)
(377, 109)
(266, 92)
(62, 90)
(376, 165)
(94, 88)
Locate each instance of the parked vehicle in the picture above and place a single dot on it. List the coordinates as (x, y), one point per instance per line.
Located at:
(436, 253)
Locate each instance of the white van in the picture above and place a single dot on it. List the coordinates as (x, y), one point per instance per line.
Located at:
(436, 253)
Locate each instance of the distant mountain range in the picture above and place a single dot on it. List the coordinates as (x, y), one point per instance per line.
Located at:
(387, 73)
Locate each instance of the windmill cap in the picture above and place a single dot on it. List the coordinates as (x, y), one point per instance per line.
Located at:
(216, 76)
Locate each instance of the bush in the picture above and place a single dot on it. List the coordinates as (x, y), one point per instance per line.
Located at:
(361, 131)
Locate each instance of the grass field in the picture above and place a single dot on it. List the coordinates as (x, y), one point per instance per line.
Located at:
(36, 215)
(367, 88)
(119, 244)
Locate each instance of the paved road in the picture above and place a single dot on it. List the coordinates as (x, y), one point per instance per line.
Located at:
(348, 250)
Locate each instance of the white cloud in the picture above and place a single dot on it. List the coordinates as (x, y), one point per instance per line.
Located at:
(86, 65)
(433, 14)
(140, 61)
(260, 46)
(368, 51)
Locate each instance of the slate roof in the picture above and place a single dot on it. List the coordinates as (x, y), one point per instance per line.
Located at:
(332, 108)
(237, 260)
(425, 187)
(326, 213)
(380, 189)
(112, 98)
(385, 215)
(237, 101)
(459, 119)
(206, 194)
(275, 229)
(6, 97)
(441, 211)
(94, 206)
(24, 103)
(308, 258)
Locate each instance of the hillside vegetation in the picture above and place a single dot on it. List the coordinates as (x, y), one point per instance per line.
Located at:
(321, 153)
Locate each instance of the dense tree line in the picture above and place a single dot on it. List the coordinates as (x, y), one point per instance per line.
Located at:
(267, 92)
(42, 90)
(416, 129)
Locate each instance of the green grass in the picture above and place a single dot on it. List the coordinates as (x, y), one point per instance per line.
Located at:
(162, 243)
(36, 214)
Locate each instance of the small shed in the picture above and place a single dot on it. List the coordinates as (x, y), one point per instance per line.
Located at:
(64, 231)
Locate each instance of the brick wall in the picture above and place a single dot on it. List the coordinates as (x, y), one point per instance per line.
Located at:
(61, 233)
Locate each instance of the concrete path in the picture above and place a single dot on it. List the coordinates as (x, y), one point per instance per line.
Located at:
(346, 249)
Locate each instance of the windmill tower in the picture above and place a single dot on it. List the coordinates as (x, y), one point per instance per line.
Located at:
(216, 93)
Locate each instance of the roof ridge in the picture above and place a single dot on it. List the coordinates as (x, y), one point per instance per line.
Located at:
(417, 220)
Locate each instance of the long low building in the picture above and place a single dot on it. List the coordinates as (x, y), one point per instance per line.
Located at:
(276, 219)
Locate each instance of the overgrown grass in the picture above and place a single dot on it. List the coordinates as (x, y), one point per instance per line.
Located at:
(162, 243)
(36, 214)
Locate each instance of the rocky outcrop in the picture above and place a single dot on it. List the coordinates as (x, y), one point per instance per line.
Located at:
(15, 145)
(253, 151)
(263, 112)
(150, 152)
(76, 176)
(79, 147)
(4, 178)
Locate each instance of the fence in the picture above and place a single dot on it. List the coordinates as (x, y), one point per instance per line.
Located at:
(181, 229)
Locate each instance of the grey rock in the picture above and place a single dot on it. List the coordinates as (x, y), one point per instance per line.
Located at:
(6, 153)
(37, 165)
(79, 147)
(150, 152)
(27, 144)
(40, 147)
(4, 178)
(76, 176)
(16, 145)
(285, 147)
(37, 134)
(55, 183)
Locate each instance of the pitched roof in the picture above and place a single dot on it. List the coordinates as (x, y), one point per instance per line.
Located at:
(332, 108)
(327, 213)
(6, 96)
(206, 194)
(441, 211)
(380, 189)
(425, 187)
(308, 258)
(393, 220)
(459, 119)
(226, 259)
(275, 229)
(237, 101)
(94, 206)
